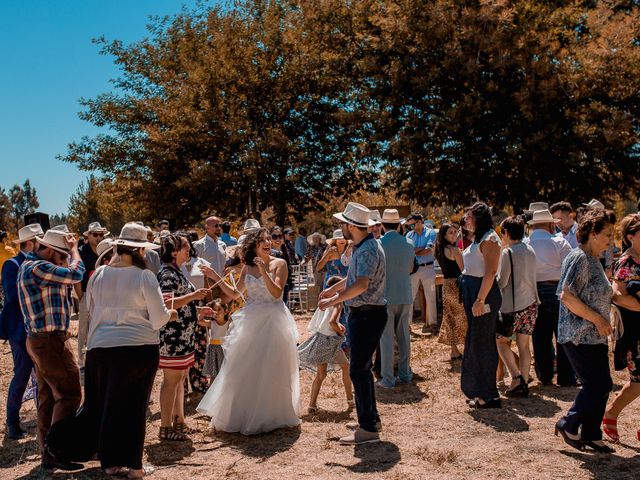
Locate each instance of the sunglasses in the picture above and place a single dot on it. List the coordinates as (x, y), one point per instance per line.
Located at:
(277, 237)
(97, 234)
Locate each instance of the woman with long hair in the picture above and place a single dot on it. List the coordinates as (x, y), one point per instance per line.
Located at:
(481, 298)
(454, 323)
(258, 387)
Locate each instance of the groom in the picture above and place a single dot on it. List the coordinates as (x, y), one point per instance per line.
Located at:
(363, 292)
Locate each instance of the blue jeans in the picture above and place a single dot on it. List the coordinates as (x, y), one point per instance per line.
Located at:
(397, 327)
(543, 333)
(591, 363)
(22, 366)
(365, 329)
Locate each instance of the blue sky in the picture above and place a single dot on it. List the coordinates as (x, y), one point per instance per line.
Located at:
(48, 63)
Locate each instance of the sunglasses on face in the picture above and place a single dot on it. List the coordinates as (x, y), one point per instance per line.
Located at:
(97, 234)
(277, 237)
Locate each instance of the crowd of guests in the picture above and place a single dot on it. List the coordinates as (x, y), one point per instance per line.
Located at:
(547, 278)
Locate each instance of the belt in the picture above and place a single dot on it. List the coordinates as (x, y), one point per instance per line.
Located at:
(549, 282)
(55, 333)
(215, 342)
(425, 264)
(368, 308)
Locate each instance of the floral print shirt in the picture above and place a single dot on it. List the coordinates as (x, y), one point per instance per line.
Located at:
(177, 338)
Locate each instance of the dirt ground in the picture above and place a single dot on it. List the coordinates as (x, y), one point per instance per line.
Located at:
(428, 432)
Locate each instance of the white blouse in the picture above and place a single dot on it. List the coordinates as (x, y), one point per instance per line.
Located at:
(472, 256)
(125, 307)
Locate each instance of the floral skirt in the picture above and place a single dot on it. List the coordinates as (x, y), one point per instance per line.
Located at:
(454, 321)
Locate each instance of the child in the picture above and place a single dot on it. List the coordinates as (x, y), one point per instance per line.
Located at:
(323, 348)
(218, 330)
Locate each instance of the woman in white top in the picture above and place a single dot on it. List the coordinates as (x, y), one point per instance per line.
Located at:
(126, 312)
(517, 280)
(481, 298)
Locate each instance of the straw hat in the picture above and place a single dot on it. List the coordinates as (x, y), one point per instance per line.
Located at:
(95, 227)
(391, 215)
(593, 203)
(29, 232)
(62, 228)
(375, 216)
(250, 225)
(355, 214)
(535, 206)
(102, 249)
(337, 235)
(134, 235)
(56, 240)
(323, 238)
(542, 216)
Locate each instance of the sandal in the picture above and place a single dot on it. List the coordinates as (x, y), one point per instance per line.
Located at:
(612, 430)
(183, 427)
(313, 409)
(352, 404)
(168, 433)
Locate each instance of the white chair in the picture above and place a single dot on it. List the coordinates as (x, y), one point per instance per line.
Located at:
(299, 293)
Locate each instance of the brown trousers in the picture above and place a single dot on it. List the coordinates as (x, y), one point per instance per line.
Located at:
(58, 378)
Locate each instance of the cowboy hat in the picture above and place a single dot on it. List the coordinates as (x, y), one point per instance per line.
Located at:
(29, 232)
(134, 235)
(250, 225)
(391, 215)
(56, 240)
(593, 203)
(542, 216)
(355, 214)
(375, 216)
(62, 228)
(535, 206)
(95, 227)
(336, 235)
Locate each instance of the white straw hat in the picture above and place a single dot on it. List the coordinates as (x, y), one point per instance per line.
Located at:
(102, 249)
(355, 214)
(29, 232)
(593, 203)
(55, 239)
(134, 235)
(375, 216)
(323, 238)
(535, 206)
(391, 215)
(337, 235)
(250, 225)
(95, 227)
(542, 216)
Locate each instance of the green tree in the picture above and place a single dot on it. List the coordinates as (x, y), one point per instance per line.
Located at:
(24, 200)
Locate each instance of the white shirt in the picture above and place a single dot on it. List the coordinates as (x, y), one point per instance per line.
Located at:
(320, 322)
(218, 332)
(191, 270)
(472, 256)
(524, 289)
(125, 307)
(551, 251)
(213, 251)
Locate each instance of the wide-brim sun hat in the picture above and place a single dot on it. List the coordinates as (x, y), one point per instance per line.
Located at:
(375, 216)
(355, 214)
(250, 225)
(593, 203)
(95, 227)
(134, 235)
(56, 240)
(29, 232)
(337, 235)
(542, 216)
(323, 238)
(391, 215)
(104, 247)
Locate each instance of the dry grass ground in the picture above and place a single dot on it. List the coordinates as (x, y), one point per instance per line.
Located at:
(429, 432)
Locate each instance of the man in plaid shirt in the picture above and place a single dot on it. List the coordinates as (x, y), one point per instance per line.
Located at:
(44, 282)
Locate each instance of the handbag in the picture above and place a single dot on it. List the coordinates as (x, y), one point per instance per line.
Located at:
(507, 320)
(617, 327)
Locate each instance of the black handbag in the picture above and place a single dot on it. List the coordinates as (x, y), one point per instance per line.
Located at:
(506, 321)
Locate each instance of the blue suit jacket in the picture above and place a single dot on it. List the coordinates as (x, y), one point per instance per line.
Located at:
(11, 319)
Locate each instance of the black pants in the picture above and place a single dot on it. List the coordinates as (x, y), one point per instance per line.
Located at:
(591, 363)
(365, 329)
(118, 383)
(546, 328)
(480, 360)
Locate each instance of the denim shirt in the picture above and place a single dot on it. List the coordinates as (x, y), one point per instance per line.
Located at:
(426, 240)
(584, 277)
(368, 261)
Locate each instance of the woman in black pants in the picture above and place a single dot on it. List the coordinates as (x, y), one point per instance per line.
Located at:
(126, 312)
(583, 327)
(482, 300)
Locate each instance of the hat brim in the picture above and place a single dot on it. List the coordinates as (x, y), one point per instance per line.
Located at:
(99, 230)
(342, 218)
(131, 243)
(536, 222)
(394, 221)
(52, 247)
(18, 241)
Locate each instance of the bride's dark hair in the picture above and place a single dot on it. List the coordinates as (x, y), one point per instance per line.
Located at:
(250, 244)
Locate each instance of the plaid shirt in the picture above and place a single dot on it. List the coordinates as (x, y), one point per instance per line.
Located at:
(43, 290)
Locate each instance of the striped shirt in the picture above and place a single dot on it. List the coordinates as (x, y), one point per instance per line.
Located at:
(43, 290)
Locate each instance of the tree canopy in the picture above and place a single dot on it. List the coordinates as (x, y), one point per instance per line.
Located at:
(289, 103)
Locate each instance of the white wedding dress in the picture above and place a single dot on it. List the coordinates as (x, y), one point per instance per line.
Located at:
(258, 387)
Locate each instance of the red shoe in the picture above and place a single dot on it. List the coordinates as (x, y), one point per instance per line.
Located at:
(612, 433)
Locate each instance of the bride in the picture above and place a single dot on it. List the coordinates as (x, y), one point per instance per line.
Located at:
(258, 387)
